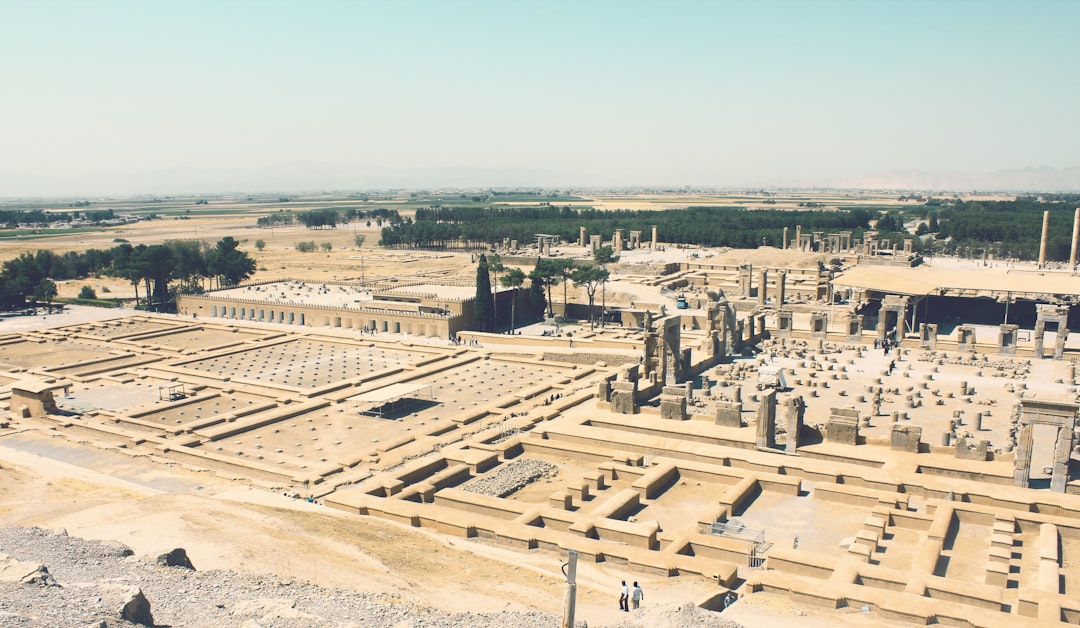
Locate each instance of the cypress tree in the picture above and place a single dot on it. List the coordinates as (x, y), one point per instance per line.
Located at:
(537, 298)
(484, 303)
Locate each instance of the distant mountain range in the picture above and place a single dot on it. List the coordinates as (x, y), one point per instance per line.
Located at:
(333, 176)
(1018, 180)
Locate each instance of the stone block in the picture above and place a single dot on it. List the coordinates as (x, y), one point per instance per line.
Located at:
(841, 429)
(729, 413)
(673, 407)
(905, 437)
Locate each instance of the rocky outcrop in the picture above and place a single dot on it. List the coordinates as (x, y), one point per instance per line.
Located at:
(176, 558)
(136, 608)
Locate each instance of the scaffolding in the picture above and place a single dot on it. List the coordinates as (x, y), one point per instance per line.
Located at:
(171, 392)
(754, 538)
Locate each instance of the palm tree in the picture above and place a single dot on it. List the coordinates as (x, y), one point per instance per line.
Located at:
(513, 279)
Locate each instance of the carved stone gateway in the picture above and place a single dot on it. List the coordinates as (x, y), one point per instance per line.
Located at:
(965, 338)
(1057, 315)
(854, 328)
(1061, 415)
(745, 273)
(928, 336)
(671, 366)
(891, 316)
(783, 324)
(1007, 339)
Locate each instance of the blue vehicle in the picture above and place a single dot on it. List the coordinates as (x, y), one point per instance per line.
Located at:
(680, 302)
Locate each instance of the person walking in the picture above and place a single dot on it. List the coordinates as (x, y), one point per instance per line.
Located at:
(624, 598)
(637, 596)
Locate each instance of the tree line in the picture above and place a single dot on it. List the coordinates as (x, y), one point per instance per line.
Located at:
(12, 218)
(163, 270)
(736, 227)
(1008, 229)
(329, 217)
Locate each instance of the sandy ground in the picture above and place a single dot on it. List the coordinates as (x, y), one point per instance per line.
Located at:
(154, 506)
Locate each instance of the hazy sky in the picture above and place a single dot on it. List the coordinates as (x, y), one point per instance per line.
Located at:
(130, 97)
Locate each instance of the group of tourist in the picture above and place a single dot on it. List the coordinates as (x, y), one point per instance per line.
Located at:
(887, 344)
(457, 342)
(550, 400)
(626, 597)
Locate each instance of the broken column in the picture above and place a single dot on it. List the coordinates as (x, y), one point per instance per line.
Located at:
(1076, 238)
(653, 243)
(582, 237)
(1042, 242)
(794, 408)
(781, 281)
(763, 282)
(766, 420)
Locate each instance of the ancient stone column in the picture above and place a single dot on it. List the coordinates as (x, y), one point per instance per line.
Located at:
(582, 237)
(1042, 243)
(1076, 237)
(798, 236)
(763, 282)
(766, 420)
(784, 245)
(793, 415)
(653, 245)
(781, 280)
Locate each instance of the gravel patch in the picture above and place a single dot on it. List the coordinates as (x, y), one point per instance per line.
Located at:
(511, 477)
(94, 578)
